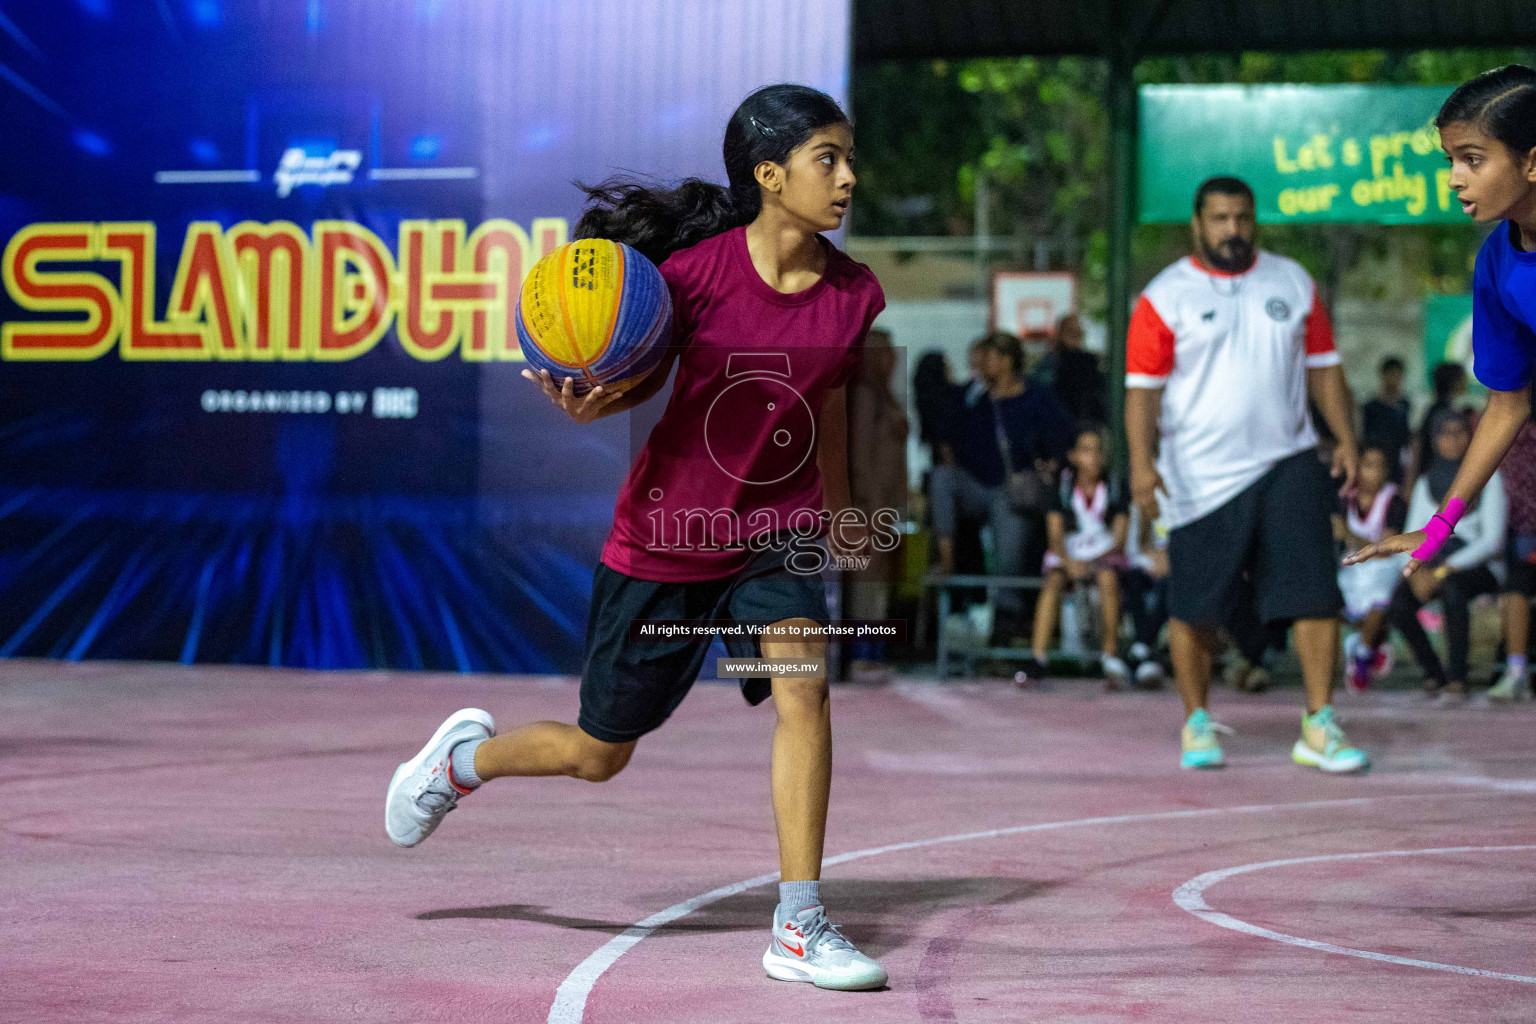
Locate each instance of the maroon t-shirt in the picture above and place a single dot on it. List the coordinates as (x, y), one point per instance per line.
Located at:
(734, 454)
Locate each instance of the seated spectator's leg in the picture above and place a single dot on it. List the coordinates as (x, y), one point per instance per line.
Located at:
(970, 560)
(1516, 606)
(1516, 609)
(1373, 628)
(1135, 591)
(1157, 614)
(1109, 602)
(1046, 609)
(957, 496)
(1456, 595)
(1009, 531)
(1404, 614)
(1036, 545)
(1146, 598)
(1008, 538)
(944, 487)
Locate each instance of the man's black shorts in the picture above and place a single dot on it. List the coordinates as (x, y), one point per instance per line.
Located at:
(629, 687)
(1522, 573)
(1279, 529)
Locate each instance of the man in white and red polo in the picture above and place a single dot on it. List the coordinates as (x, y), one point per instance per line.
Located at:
(1224, 349)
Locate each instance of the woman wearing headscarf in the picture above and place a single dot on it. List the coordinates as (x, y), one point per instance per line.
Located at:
(936, 399)
(1465, 568)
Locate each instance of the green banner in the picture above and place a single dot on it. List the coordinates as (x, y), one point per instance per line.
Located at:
(1312, 153)
(1448, 335)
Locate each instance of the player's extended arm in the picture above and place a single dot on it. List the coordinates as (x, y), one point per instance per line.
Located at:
(1506, 413)
(1330, 391)
(1143, 407)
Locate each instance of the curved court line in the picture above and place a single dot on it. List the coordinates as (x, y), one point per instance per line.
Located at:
(571, 998)
(1191, 897)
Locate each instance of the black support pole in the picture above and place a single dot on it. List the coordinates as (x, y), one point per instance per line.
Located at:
(1122, 159)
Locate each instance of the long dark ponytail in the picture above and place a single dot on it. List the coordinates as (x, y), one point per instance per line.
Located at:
(658, 220)
(1501, 103)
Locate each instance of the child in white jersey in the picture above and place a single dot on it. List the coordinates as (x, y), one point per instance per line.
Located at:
(1086, 527)
(1374, 511)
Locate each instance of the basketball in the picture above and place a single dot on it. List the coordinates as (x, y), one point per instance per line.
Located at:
(596, 311)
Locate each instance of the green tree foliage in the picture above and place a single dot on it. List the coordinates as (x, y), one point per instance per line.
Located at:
(1036, 131)
(917, 132)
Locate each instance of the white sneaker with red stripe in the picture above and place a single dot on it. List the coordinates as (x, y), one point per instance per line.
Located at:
(806, 947)
(422, 791)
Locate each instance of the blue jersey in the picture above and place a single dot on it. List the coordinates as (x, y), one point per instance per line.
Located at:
(1504, 312)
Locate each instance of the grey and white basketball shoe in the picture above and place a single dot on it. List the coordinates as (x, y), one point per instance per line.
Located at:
(422, 791)
(806, 947)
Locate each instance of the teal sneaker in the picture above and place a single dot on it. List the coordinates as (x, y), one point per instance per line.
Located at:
(1201, 748)
(1323, 745)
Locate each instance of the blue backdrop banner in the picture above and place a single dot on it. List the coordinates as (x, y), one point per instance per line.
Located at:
(259, 382)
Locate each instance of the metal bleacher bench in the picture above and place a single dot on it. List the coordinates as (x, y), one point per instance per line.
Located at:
(992, 584)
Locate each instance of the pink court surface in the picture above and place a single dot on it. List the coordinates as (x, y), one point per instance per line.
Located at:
(208, 845)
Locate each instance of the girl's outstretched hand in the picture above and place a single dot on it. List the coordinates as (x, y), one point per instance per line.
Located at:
(584, 409)
(1390, 546)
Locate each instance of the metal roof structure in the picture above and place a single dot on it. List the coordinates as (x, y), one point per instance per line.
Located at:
(920, 29)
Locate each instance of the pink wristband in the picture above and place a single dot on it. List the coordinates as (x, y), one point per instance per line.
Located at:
(1439, 528)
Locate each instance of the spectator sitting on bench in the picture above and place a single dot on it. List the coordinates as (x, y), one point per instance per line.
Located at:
(1037, 432)
(1087, 528)
(1468, 566)
(938, 402)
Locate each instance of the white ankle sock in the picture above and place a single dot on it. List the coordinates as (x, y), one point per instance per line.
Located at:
(796, 896)
(461, 763)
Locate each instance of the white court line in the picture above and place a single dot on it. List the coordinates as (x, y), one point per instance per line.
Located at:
(947, 705)
(1484, 782)
(1191, 897)
(571, 998)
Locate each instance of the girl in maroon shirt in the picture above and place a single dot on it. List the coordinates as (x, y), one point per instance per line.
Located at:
(718, 517)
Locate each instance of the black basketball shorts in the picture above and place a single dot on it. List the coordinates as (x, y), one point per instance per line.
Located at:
(1278, 532)
(629, 687)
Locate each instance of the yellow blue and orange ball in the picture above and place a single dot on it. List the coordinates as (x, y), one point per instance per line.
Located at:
(597, 311)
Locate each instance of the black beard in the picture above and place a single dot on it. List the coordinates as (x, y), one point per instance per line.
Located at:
(1232, 256)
